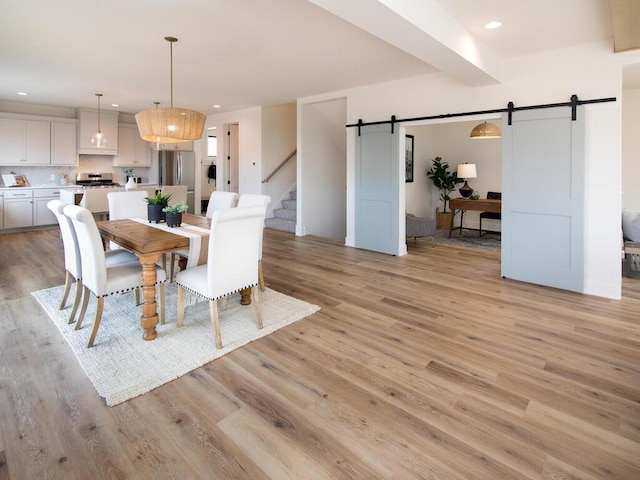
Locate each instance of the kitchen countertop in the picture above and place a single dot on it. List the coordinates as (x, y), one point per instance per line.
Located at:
(33, 187)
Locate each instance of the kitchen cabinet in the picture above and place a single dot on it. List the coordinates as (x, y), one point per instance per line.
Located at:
(132, 150)
(182, 146)
(87, 126)
(25, 142)
(1, 209)
(41, 213)
(18, 208)
(63, 143)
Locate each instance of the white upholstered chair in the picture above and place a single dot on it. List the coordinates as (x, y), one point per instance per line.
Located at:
(99, 277)
(72, 260)
(129, 204)
(250, 200)
(178, 193)
(217, 201)
(231, 265)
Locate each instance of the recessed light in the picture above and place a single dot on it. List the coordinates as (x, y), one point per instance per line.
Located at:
(216, 106)
(22, 93)
(493, 25)
(115, 105)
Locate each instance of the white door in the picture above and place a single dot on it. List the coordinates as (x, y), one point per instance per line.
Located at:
(542, 198)
(377, 189)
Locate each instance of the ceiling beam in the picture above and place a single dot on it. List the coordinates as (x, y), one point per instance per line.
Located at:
(425, 30)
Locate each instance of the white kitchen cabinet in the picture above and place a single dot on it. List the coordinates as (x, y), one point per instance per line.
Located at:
(132, 150)
(41, 213)
(18, 208)
(88, 125)
(182, 146)
(1, 209)
(25, 142)
(64, 143)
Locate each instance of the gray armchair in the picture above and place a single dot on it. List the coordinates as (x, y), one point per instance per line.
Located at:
(419, 226)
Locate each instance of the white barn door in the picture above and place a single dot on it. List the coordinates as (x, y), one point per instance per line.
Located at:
(543, 198)
(377, 223)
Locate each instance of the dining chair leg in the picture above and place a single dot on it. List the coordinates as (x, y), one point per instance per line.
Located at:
(161, 298)
(83, 310)
(181, 300)
(67, 287)
(261, 277)
(215, 322)
(96, 321)
(136, 294)
(172, 267)
(224, 302)
(255, 301)
(76, 301)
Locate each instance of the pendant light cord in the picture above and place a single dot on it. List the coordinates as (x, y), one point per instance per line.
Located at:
(171, 41)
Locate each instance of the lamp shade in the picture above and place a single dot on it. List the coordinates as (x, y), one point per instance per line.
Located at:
(170, 125)
(485, 130)
(467, 170)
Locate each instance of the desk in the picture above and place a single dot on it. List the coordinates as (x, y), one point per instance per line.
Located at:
(463, 204)
(148, 243)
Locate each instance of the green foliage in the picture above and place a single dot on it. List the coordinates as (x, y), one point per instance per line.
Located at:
(158, 199)
(179, 207)
(443, 179)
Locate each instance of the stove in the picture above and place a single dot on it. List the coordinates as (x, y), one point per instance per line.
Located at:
(95, 180)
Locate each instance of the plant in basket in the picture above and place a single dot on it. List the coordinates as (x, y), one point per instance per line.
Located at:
(174, 214)
(155, 206)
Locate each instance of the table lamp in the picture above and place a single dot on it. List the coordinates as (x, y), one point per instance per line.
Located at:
(466, 170)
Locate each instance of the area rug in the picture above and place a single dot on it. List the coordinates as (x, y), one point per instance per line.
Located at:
(121, 365)
(469, 239)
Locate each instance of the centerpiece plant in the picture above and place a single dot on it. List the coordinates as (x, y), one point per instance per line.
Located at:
(174, 213)
(155, 205)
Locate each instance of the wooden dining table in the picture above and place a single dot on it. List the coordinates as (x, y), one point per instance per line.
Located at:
(148, 243)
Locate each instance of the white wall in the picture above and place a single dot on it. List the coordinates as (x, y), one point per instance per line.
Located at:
(322, 170)
(631, 149)
(279, 125)
(590, 71)
(250, 147)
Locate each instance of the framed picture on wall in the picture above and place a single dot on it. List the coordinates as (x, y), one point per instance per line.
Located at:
(408, 158)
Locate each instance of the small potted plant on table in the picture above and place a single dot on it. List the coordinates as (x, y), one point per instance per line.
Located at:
(155, 206)
(445, 181)
(174, 214)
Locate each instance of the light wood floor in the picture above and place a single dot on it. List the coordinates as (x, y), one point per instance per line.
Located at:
(423, 366)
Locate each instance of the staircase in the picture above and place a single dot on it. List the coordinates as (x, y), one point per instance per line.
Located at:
(284, 218)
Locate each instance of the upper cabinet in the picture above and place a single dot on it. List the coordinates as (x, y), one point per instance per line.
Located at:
(34, 140)
(63, 143)
(88, 125)
(183, 146)
(133, 151)
(24, 142)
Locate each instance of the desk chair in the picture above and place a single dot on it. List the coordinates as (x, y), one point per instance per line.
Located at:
(491, 215)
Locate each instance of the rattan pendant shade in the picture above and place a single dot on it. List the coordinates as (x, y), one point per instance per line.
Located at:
(485, 130)
(170, 125)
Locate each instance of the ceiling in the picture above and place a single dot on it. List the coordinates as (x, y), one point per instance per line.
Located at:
(247, 52)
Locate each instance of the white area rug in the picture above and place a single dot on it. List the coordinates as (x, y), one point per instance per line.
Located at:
(121, 365)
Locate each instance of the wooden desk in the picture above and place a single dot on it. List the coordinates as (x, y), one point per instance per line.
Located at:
(148, 243)
(463, 204)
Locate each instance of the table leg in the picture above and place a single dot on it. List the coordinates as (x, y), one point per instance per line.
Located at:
(453, 216)
(245, 296)
(149, 318)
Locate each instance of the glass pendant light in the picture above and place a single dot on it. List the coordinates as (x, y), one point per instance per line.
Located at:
(98, 139)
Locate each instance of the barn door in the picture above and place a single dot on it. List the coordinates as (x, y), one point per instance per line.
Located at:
(542, 199)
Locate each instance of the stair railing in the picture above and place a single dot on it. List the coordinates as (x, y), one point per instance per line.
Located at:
(268, 177)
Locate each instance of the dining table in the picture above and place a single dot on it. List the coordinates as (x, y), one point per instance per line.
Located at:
(148, 243)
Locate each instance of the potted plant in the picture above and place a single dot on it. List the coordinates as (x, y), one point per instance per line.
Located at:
(445, 181)
(174, 214)
(155, 206)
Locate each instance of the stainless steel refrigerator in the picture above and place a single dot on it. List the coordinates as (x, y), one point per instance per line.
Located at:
(179, 168)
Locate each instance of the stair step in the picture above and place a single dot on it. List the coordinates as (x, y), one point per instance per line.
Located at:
(290, 204)
(285, 214)
(293, 195)
(280, 224)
